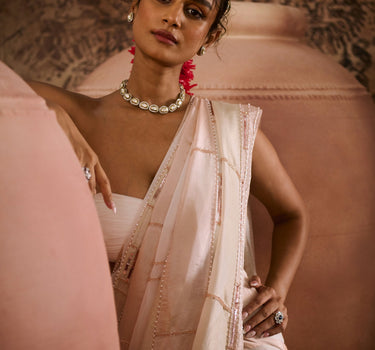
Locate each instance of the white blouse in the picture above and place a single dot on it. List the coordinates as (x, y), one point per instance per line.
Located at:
(117, 228)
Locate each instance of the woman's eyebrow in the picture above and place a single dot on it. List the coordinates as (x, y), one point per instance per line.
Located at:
(204, 3)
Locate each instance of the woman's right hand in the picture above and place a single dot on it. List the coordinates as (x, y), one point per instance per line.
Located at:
(86, 155)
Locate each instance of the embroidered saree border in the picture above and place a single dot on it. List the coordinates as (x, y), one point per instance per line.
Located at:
(249, 118)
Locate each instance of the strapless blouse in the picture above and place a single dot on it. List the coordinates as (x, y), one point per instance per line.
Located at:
(117, 228)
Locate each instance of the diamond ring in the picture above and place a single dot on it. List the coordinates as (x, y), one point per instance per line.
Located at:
(87, 173)
(279, 317)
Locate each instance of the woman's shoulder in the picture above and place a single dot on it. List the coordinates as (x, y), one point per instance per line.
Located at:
(67, 99)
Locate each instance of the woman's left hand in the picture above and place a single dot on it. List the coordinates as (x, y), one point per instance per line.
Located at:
(268, 303)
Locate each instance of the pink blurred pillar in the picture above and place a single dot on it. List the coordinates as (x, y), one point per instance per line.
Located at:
(55, 287)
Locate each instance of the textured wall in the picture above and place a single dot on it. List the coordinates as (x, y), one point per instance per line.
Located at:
(60, 41)
(63, 40)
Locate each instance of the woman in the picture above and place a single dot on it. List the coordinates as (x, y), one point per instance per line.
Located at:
(181, 182)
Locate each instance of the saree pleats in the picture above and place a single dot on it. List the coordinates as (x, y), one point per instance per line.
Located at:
(178, 283)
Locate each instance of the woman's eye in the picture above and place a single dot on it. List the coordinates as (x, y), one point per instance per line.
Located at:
(194, 13)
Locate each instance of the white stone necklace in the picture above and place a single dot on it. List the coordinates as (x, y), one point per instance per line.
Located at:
(135, 101)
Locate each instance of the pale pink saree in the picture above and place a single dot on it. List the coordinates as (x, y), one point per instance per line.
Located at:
(178, 283)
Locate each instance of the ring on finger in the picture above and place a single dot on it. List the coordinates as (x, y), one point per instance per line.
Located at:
(87, 173)
(279, 317)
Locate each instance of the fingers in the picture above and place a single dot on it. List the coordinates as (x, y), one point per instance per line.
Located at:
(263, 308)
(264, 295)
(105, 187)
(274, 330)
(92, 181)
(258, 333)
(268, 326)
(96, 176)
(255, 281)
(90, 177)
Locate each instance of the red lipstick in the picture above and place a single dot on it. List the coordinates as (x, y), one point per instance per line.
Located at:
(165, 37)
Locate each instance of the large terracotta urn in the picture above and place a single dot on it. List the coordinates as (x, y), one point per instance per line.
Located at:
(322, 123)
(55, 286)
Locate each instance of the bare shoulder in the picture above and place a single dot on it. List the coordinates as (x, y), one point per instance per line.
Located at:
(73, 103)
(264, 155)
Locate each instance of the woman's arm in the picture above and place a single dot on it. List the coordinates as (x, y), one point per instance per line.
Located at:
(274, 188)
(60, 100)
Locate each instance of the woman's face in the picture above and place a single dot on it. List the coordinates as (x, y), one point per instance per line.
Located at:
(172, 31)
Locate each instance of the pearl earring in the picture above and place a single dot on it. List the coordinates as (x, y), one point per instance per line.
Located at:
(202, 51)
(130, 17)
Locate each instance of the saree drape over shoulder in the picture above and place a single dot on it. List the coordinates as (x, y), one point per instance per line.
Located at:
(178, 282)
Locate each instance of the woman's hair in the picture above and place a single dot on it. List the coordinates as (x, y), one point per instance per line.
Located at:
(221, 20)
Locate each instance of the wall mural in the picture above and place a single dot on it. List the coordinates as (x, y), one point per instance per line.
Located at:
(61, 41)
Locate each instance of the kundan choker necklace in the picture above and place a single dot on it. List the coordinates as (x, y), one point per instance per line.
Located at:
(135, 101)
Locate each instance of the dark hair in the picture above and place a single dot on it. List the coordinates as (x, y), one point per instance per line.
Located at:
(221, 20)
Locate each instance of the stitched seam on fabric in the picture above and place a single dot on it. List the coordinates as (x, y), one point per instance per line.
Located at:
(221, 301)
(159, 262)
(172, 334)
(223, 159)
(203, 150)
(246, 137)
(213, 129)
(160, 297)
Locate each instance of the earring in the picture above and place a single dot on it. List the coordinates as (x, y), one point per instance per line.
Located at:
(130, 17)
(201, 51)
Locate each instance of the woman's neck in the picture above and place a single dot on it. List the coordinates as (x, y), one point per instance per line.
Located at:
(149, 81)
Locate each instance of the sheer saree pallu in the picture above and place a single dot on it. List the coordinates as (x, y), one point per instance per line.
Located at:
(178, 281)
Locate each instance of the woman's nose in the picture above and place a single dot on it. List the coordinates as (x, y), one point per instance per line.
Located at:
(173, 15)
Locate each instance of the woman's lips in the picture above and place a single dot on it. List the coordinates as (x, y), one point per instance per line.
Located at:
(165, 37)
